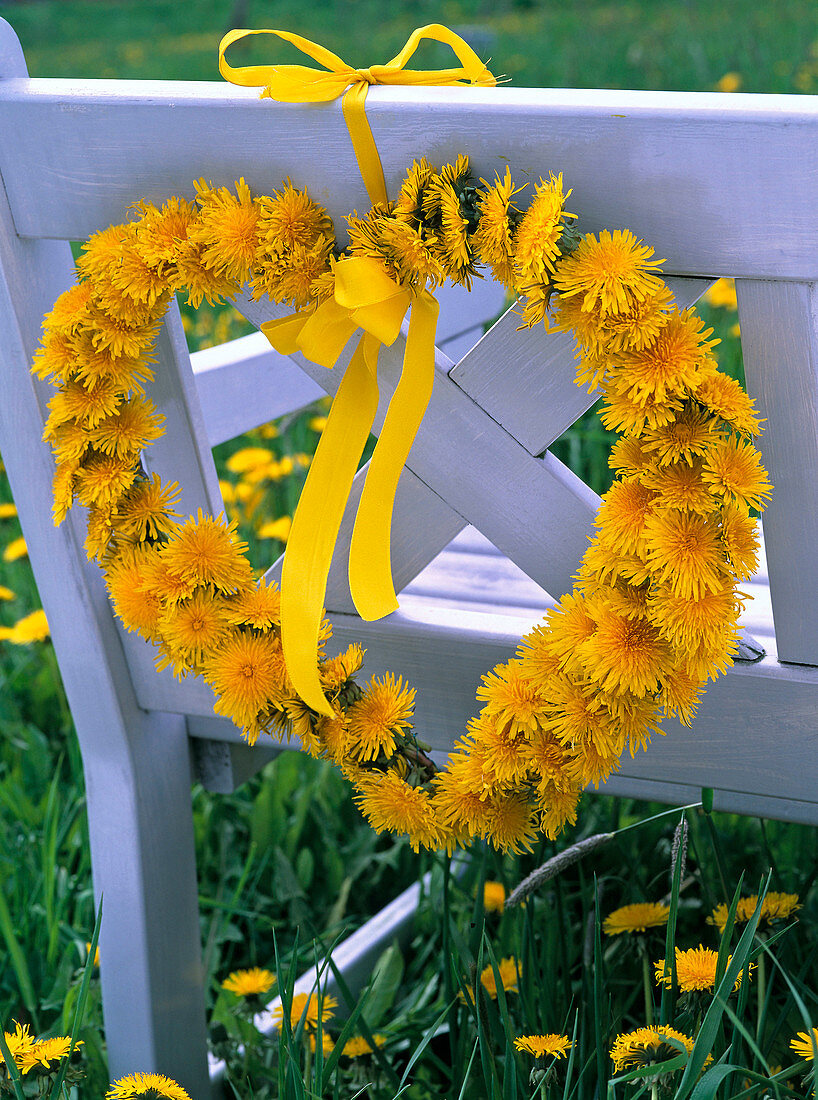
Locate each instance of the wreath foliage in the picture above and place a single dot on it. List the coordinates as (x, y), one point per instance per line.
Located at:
(654, 611)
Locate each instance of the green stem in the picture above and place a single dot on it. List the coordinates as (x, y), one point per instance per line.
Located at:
(761, 992)
(654, 1089)
(307, 1060)
(647, 987)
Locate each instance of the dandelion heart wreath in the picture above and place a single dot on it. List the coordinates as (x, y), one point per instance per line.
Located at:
(654, 611)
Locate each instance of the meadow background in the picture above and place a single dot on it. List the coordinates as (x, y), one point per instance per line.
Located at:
(289, 849)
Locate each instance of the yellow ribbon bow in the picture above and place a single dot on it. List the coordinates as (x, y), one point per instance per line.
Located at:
(365, 298)
(303, 84)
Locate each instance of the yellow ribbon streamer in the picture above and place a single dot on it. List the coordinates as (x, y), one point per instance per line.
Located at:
(304, 84)
(366, 299)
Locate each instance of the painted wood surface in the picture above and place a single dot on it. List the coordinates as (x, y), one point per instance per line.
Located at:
(698, 175)
(779, 339)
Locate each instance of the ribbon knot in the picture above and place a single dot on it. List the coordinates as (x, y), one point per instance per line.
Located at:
(365, 298)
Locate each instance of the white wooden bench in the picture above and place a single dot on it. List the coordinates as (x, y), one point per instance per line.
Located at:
(719, 185)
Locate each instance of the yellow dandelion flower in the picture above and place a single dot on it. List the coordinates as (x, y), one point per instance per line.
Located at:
(47, 1053)
(681, 485)
(536, 242)
(722, 293)
(201, 283)
(305, 1007)
(333, 735)
(494, 897)
(509, 970)
(509, 822)
(15, 549)
(248, 459)
(276, 529)
(289, 219)
(206, 551)
(805, 1044)
(610, 273)
(443, 213)
(70, 311)
(776, 906)
(622, 516)
(297, 277)
(390, 805)
(568, 625)
(739, 533)
(327, 1044)
(125, 374)
(149, 1085)
(501, 752)
(647, 1046)
(604, 334)
(493, 240)
(383, 713)
(258, 606)
(558, 807)
(408, 206)
(695, 970)
(129, 583)
(621, 413)
(547, 760)
(86, 404)
(684, 621)
(724, 396)
(684, 551)
(122, 327)
(629, 457)
(103, 479)
(193, 627)
(511, 699)
(19, 1043)
(669, 364)
(638, 917)
(133, 425)
(102, 252)
(250, 983)
(733, 471)
(6, 593)
(624, 653)
(544, 1046)
(135, 279)
(31, 628)
(146, 511)
(227, 229)
(458, 799)
(245, 673)
(357, 1046)
(162, 234)
(686, 435)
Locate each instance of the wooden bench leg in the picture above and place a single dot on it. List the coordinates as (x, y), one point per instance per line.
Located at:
(142, 852)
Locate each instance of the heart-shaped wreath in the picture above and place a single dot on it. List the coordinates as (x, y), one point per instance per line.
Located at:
(654, 611)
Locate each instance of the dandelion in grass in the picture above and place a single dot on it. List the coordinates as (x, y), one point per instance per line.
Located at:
(509, 971)
(327, 1044)
(306, 1006)
(6, 593)
(647, 1046)
(8, 510)
(250, 983)
(776, 906)
(206, 551)
(383, 713)
(695, 970)
(15, 550)
(148, 1085)
(722, 294)
(494, 897)
(357, 1046)
(46, 1054)
(544, 1046)
(734, 472)
(276, 529)
(805, 1044)
(638, 917)
(609, 274)
(31, 628)
(19, 1043)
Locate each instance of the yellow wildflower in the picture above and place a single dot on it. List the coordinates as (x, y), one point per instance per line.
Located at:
(305, 1006)
(544, 1046)
(250, 983)
(636, 918)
